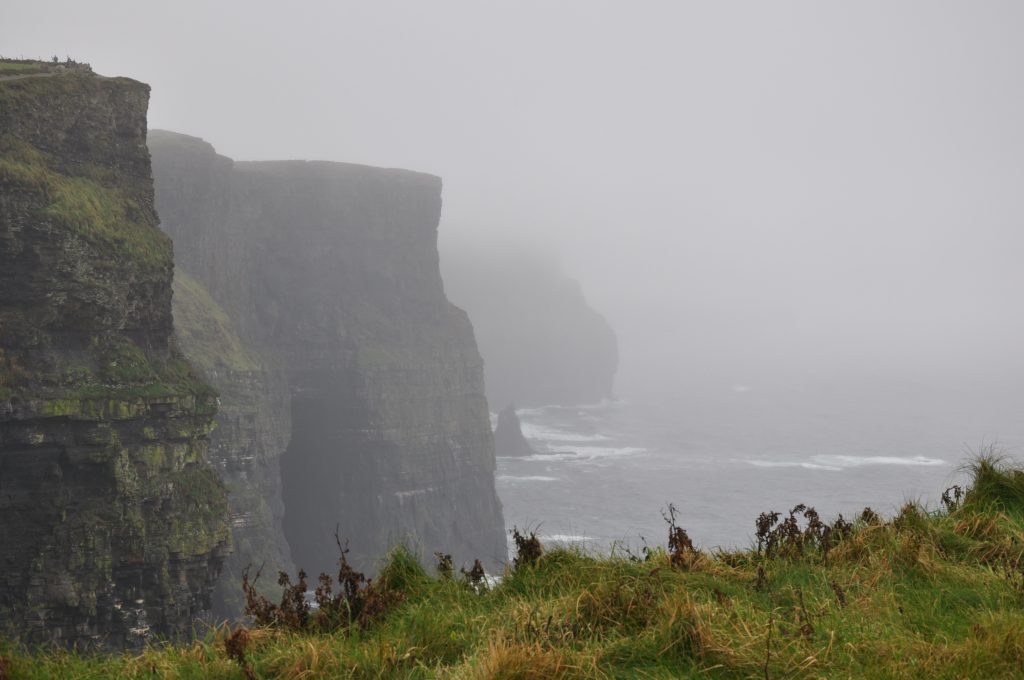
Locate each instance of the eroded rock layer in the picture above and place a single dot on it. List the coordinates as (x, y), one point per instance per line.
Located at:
(332, 270)
(112, 521)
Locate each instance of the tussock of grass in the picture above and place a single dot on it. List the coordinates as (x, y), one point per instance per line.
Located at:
(927, 594)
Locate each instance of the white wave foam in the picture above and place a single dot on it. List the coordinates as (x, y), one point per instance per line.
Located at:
(565, 538)
(786, 464)
(604, 404)
(550, 434)
(587, 453)
(535, 411)
(526, 478)
(858, 461)
(836, 463)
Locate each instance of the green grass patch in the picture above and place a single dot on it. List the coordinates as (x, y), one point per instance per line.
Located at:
(928, 594)
(20, 67)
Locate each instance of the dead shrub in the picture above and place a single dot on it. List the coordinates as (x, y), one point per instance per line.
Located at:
(952, 498)
(528, 549)
(681, 552)
(292, 612)
(787, 538)
(359, 601)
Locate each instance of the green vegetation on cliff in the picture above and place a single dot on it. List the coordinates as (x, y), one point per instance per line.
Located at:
(18, 67)
(927, 594)
(205, 330)
(87, 203)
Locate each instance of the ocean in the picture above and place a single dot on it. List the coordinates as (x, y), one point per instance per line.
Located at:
(604, 473)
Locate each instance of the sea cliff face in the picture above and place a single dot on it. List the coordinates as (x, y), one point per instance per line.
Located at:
(112, 521)
(253, 426)
(541, 341)
(331, 271)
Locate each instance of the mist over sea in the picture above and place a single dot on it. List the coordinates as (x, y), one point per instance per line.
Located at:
(723, 454)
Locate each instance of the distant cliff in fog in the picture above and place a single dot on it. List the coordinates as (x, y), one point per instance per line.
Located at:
(542, 343)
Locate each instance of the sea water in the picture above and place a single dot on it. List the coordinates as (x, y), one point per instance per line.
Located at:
(604, 474)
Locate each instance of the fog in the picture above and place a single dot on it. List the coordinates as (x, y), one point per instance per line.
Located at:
(747, 191)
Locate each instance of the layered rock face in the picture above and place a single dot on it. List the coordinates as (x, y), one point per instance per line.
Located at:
(331, 270)
(112, 521)
(541, 341)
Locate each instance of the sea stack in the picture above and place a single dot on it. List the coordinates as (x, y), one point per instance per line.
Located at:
(508, 435)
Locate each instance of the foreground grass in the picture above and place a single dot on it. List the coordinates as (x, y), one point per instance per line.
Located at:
(935, 594)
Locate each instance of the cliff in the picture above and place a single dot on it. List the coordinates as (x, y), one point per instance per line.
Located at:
(253, 426)
(331, 270)
(112, 521)
(541, 341)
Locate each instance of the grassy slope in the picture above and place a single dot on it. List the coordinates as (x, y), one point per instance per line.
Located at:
(206, 332)
(925, 595)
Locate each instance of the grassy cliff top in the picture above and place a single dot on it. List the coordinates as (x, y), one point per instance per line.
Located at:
(14, 67)
(926, 594)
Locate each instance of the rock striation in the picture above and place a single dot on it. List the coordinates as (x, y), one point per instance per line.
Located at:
(112, 520)
(541, 341)
(330, 271)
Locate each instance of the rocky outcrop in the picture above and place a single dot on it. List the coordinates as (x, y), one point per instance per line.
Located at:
(509, 441)
(541, 341)
(112, 521)
(331, 270)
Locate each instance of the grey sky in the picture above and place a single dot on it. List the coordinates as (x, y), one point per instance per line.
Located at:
(808, 186)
